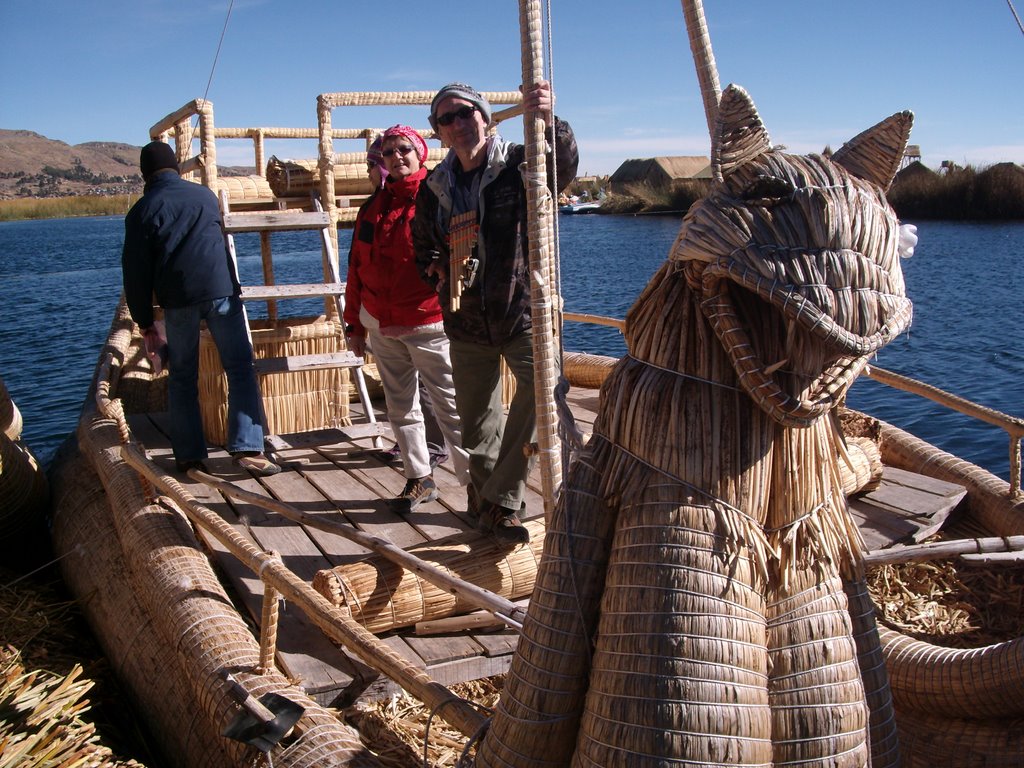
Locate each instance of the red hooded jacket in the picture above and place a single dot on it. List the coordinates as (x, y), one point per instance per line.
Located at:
(382, 273)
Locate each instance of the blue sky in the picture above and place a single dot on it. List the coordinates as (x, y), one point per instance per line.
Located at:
(820, 71)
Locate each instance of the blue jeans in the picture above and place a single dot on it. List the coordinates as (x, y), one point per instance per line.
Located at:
(226, 323)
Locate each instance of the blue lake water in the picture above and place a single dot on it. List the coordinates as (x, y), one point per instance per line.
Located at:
(60, 280)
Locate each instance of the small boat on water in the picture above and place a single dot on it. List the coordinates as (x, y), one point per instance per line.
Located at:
(241, 612)
(578, 207)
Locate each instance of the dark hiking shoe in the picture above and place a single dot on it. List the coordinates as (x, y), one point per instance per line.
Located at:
(417, 491)
(184, 466)
(503, 524)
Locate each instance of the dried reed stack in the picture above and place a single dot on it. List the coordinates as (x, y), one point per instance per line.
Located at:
(295, 401)
(691, 604)
(300, 178)
(382, 595)
(243, 188)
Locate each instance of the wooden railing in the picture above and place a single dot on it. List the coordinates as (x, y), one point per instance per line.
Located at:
(1013, 426)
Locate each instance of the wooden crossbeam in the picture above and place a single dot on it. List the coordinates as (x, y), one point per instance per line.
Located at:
(293, 291)
(275, 222)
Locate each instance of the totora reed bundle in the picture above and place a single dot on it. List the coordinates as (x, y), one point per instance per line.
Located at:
(694, 600)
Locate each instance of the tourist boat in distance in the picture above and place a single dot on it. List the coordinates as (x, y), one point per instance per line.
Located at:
(591, 206)
(242, 612)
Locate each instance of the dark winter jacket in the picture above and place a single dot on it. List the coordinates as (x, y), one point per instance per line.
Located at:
(174, 246)
(382, 274)
(496, 307)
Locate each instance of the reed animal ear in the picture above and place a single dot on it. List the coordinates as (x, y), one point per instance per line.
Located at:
(875, 155)
(740, 136)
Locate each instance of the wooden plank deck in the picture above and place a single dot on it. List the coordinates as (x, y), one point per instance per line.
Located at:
(334, 473)
(905, 508)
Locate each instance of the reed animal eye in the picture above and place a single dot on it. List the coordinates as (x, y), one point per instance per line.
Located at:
(768, 190)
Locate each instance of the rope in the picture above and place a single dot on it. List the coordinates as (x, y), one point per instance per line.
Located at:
(1015, 16)
(472, 740)
(571, 437)
(213, 67)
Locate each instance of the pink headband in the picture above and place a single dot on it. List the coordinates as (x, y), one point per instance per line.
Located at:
(409, 133)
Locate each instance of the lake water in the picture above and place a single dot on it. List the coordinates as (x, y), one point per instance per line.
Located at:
(60, 280)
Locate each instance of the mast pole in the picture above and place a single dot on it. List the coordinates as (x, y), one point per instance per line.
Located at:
(540, 229)
(703, 59)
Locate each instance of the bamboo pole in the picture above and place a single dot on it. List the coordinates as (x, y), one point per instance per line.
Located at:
(506, 610)
(540, 227)
(582, 317)
(937, 550)
(334, 622)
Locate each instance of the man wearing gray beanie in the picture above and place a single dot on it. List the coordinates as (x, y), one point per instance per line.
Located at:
(471, 221)
(174, 248)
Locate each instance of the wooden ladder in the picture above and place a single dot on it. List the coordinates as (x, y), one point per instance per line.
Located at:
(332, 290)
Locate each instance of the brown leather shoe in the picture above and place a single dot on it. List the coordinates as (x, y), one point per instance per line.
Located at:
(417, 491)
(502, 523)
(257, 463)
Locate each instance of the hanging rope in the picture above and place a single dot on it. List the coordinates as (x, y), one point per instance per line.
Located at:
(213, 67)
(557, 317)
(1015, 16)
(541, 209)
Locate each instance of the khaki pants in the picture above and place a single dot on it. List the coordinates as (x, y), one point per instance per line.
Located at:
(498, 466)
(403, 362)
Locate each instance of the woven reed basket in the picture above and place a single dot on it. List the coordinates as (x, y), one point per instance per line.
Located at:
(299, 401)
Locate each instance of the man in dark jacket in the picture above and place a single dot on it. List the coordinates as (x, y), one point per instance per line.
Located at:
(174, 247)
(472, 208)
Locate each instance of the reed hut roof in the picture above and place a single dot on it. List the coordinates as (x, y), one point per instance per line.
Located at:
(914, 170)
(662, 170)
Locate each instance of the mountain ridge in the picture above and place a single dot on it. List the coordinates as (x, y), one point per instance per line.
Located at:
(32, 165)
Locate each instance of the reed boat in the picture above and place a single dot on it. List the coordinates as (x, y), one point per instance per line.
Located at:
(242, 613)
(24, 492)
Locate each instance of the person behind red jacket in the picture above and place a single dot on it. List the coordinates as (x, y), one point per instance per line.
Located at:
(389, 308)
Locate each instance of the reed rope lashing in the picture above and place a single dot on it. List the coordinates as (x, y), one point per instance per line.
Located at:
(747, 529)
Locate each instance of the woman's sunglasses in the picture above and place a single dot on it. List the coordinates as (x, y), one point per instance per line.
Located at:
(403, 151)
(463, 113)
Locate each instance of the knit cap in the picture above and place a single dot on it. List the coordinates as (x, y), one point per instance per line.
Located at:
(157, 156)
(460, 91)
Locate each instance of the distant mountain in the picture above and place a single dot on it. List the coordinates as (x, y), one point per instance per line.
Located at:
(35, 166)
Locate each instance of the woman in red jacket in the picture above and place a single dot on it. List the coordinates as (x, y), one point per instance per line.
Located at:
(389, 308)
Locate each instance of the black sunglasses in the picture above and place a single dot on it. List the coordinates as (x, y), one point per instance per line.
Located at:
(463, 113)
(402, 150)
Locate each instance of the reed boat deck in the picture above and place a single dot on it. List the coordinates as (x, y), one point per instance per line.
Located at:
(334, 473)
